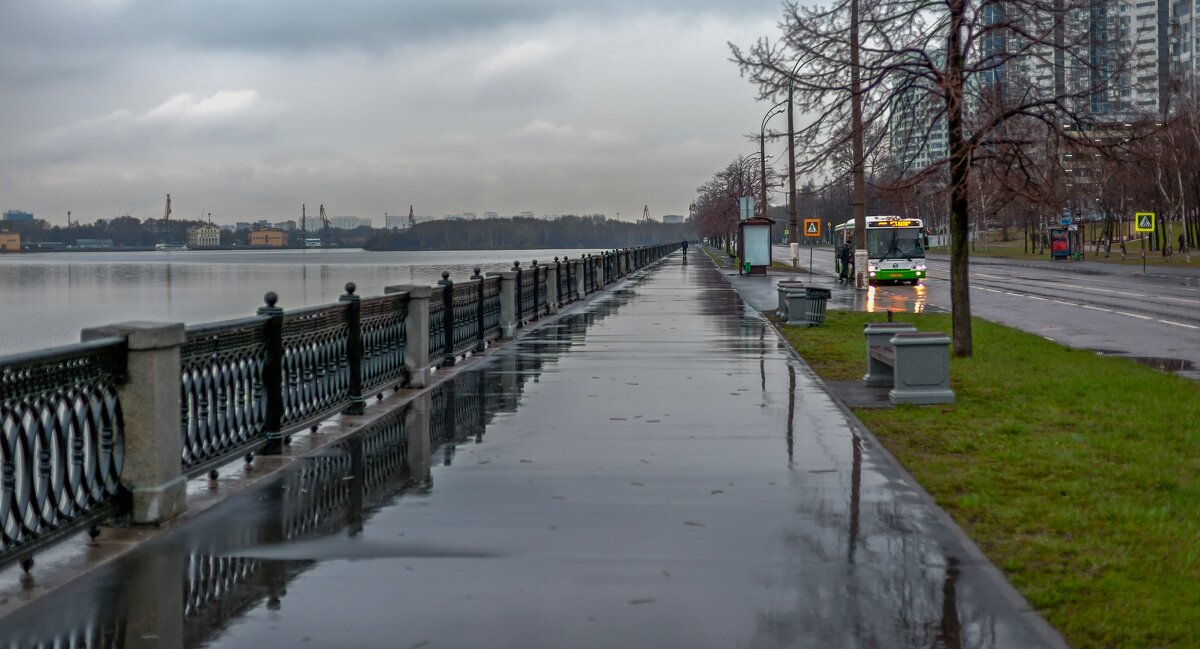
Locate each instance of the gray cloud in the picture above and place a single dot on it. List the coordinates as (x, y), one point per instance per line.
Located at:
(247, 109)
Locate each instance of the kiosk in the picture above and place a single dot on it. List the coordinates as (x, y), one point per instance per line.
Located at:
(754, 245)
(1065, 242)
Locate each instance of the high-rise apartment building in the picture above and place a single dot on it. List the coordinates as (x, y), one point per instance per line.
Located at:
(1113, 60)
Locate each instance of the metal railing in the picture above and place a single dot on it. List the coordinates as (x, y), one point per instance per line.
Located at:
(341, 488)
(61, 441)
(245, 385)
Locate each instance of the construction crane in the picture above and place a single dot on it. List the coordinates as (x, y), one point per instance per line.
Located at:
(326, 239)
(166, 221)
(412, 220)
(646, 213)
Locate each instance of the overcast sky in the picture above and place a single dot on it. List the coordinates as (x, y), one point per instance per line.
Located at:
(248, 108)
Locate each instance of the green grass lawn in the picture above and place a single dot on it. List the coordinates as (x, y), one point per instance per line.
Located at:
(717, 256)
(1076, 474)
(1015, 249)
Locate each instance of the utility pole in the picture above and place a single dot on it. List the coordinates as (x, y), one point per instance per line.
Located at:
(859, 202)
(794, 239)
(303, 219)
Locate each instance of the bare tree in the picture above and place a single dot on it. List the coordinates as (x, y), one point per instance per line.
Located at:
(981, 72)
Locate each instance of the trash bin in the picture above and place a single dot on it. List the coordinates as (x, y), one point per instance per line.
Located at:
(815, 299)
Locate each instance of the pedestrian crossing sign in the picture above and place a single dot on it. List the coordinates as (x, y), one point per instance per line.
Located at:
(1143, 222)
(812, 227)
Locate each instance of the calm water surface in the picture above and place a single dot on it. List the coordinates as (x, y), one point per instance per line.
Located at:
(45, 299)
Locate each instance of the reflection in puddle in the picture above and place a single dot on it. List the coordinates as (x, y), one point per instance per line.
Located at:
(898, 299)
(1163, 364)
(244, 553)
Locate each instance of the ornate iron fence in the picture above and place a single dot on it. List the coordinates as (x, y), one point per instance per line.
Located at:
(316, 365)
(382, 323)
(221, 390)
(437, 324)
(244, 385)
(61, 441)
(491, 308)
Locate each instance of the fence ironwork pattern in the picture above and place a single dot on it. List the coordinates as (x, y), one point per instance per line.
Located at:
(542, 305)
(437, 324)
(382, 322)
(589, 275)
(243, 383)
(491, 308)
(528, 292)
(221, 390)
(316, 367)
(61, 440)
(465, 306)
(566, 288)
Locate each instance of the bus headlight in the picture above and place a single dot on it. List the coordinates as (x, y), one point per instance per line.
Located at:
(920, 266)
(872, 273)
(872, 269)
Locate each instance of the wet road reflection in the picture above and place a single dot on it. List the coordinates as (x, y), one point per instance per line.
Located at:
(655, 470)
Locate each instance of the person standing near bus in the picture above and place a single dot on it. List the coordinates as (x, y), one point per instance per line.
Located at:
(844, 261)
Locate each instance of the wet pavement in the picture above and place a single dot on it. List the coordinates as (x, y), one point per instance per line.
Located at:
(655, 469)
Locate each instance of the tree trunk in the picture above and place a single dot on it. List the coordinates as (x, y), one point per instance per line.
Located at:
(960, 169)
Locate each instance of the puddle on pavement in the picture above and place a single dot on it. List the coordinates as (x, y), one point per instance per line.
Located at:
(190, 586)
(1164, 364)
(245, 552)
(1157, 362)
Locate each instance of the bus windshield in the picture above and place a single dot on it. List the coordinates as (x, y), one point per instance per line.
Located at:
(895, 243)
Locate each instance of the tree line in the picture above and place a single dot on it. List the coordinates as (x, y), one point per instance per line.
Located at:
(528, 233)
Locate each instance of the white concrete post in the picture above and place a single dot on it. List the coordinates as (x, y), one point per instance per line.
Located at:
(150, 404)
(416, 333)
(508, 303)
(552, 296)
(861, 279)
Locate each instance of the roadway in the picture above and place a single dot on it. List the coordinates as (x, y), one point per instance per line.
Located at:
(1110, 308)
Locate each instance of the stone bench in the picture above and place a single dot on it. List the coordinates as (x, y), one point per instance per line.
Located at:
(916, 365)
(880, 353)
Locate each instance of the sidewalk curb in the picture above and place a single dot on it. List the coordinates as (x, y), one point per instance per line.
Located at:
(1049, 636)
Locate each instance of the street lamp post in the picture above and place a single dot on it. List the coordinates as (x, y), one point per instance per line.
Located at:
(794, 240)
(762, 138)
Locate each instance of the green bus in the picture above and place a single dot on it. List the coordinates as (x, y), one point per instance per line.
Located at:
(895, 248)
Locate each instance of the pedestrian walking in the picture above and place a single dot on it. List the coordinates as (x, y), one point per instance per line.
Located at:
(844, 261)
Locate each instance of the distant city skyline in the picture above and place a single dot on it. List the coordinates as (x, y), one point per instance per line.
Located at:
(455, 107)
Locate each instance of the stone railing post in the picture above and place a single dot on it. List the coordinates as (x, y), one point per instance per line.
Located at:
(509, 286)
(150, 404)
(553, 299)
(580, 286)
(354, 349)
(538, 276)
(416, 333)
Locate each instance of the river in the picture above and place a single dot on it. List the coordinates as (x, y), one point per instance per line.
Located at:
(46, 298)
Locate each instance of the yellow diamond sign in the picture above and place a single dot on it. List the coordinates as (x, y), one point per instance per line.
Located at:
(1143, 222)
